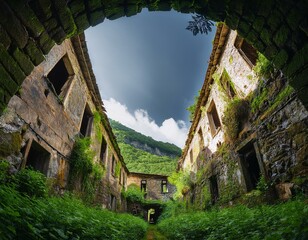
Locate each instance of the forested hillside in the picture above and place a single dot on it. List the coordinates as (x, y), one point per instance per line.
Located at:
(144, 154)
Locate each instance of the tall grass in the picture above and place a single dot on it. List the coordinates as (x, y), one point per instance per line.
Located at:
(284, 221)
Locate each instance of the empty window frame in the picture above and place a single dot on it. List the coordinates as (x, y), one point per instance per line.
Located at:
(248, 52)
(144, 185)
(227, 84)
(191, 155)
(113, 202)
(113, 165)
(38, 158)
(214, 189)
(87, 122)
(201, 140)
(59, 77)
(250, 166)
(213, 119)
(164, 186)
(103, 150)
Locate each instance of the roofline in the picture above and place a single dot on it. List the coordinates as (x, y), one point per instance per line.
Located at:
(221, 35)
(81, 50)
(148, 174)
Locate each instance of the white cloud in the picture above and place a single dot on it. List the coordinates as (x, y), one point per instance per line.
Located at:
(170, 131)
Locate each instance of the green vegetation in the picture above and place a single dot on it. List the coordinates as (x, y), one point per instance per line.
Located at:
(97, 124)
(192, 108)
(133, 194)
(23, 217)
(263, 68)
(141, 161)
(284, 221)
(85, 175)
(141, 157)
(125, 134)
(235, 116)
(182, 182)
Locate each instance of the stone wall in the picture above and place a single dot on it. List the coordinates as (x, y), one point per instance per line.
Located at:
(271, 142)
(28, 31)
(40, 120)
(153, 185)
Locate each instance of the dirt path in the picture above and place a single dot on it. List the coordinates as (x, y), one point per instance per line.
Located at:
(154, 234)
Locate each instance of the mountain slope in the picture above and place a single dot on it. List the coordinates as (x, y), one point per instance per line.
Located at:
(143, 154)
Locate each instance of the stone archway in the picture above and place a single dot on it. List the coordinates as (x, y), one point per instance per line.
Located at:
(29, 29)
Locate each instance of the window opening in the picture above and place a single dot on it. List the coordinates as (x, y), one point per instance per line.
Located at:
(144, 185)
(87, 121)
(38, 158)
(58, 76)
(113, 163)
(201, 140)
(248, 52)
(113, 202)
(214, 189)
(250, 166)
(191, 156)
(164, 186)
(226, 84)
(213, 119)
(103, 150)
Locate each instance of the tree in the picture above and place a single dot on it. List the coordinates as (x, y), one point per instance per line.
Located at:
(200, 24)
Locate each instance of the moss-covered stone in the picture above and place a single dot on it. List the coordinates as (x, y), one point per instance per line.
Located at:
(258, 23)
(235, 6)
(166, 6)
(11, 66)
(232, 21)
(57, 34)
(243, 28)
(45, 43)
(42, 9)
(65, 17)
(27, 16)
(23, 61)
(299, 60)
(115, 13)
(299, 81)
(76, 7)
(93, 5)
(265, 36)
(274, 20)
(10, 143)
(4, 38)
(96, 17)
(281, 36)
(281, 59)
(12, 25)
(6, 82)
(265, 8)
(293, 19)
(132, 9)
(34, 52)
(82, 22)
(270, 51)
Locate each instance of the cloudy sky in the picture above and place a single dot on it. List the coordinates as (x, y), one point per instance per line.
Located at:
(148, 68)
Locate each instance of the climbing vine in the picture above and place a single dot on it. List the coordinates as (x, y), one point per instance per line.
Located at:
(85, 175)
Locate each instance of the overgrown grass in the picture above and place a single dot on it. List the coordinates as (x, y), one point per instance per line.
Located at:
(23, 217)
(284, 221)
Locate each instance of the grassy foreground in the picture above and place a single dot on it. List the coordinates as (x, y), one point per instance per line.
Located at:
(23, 217)
(283, 221)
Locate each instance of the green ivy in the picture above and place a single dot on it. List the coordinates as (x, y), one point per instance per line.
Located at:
(84, 175)
(133, 194)
(235, 115)
(98, 126)
(263, 68)
(182, 182)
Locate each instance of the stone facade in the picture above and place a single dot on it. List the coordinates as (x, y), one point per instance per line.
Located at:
(156, 187)
(29, 29)
(57, 103)
(271, 141)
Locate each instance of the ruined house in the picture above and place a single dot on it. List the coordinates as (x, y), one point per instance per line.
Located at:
(156, 188)
(56, 104)
(249, 129)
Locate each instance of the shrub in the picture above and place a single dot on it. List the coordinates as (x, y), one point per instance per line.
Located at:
(235, 116)
(134, 194)
(31, 182)
(181, 180)
(22, 217)
(4, 171)
(263, 68)
(284, 221)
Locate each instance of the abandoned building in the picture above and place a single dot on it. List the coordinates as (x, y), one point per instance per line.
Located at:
(155, 187)
(247, 128)
(58, 103)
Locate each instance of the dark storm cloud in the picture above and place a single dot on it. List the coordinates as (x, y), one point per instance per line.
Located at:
(150, 61)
